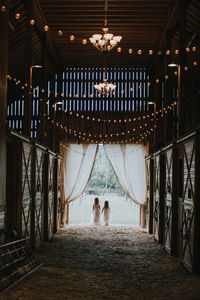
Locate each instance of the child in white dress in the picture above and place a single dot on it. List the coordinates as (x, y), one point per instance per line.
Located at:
(96, 212)
(106, 211)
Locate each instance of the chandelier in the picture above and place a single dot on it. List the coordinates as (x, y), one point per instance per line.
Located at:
(106, 41)
(105, 88)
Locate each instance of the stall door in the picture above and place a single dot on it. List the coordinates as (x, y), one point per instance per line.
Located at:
(39, 196)
(168, 200)
(26, 195)
(187, 231)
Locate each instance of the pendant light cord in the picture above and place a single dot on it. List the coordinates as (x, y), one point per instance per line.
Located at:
(106, 10)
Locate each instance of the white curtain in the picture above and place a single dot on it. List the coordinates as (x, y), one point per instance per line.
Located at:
(77, 166)
(128, 162)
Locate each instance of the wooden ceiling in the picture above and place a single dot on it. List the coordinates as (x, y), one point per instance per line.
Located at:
(143, 24)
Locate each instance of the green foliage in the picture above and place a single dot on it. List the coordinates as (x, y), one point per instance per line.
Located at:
(102, 176)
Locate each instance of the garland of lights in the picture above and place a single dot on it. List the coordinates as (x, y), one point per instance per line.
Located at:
(131, 51)
(87, 136)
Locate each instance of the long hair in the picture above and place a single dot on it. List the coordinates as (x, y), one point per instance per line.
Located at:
(96, 200)
(106, 204)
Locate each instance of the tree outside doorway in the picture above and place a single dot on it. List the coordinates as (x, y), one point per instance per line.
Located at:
(104, 185)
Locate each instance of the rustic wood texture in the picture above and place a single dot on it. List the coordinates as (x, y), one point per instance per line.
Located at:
(39, 198)
(51, 188)
(26, 189)
(168, 200)
(3, 99)
(158, 203)
(188, 204)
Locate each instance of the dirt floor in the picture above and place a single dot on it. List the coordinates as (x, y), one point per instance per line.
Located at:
(105, 262)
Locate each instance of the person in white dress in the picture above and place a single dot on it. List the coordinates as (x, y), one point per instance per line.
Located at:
(96, 212)
(106, 211)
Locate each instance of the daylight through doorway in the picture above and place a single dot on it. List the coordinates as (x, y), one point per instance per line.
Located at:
(104, 185)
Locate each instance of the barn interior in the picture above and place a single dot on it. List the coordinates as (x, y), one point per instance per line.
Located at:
(88, 72)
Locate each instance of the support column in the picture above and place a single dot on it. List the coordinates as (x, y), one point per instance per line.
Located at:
(3, 100)
(174, 229)
(42, 113)
(151, 198)
(161, 198)
(67, 217)
(28, 71)
(196, 250)
(182, 59)
(46, 196)
(33, 189)
(55, 180)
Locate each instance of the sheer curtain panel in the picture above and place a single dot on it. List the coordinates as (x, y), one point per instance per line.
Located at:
(77, 166)
(128, 162)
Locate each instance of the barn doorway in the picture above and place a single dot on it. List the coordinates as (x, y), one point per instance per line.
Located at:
(104, 184)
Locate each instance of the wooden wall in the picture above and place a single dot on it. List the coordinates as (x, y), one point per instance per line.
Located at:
(33, 187)
(176, 200)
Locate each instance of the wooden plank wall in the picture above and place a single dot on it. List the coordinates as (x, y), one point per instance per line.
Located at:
(30, 187)
(25, 176)
(51, 196)
(176, 200)
(158, 204)
(39, 199)
(188, 203)
(168, 200)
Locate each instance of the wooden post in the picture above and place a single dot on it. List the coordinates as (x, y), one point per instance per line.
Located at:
(196, 249)
(142, 210)
(3, 100)
(42, 113)
(55, 188)
(182, 59)
(161, 199)
(151, 197)
(174, 228)
(46, 196)
(67, 217)
(33, 190)
(28, 71)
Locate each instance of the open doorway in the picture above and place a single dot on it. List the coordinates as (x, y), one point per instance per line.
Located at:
(104, 185)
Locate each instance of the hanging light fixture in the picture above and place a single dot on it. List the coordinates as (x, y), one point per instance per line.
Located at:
(106, 41)
(105, 88)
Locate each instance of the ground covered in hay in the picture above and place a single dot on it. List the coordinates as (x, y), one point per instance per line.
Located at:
(108, 263)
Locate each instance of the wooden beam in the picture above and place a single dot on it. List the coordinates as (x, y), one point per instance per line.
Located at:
(28, 71)
(169, 25)
(182, 59)
(151, 166)
(55, 189)
(46, 197)
(41, 20)
(196, 267)
(3, 99)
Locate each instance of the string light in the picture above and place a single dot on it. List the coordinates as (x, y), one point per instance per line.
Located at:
(17, 16)
(3, 8)
(72, 38)
(60, 33)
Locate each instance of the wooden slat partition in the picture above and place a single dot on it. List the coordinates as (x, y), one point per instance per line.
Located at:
(168, 200)
(188, 203)
(51, 196)
(158, 202)
(38, 191)
(26, 189)
(39, 169)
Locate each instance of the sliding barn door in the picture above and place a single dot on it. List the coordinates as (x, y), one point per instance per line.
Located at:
(158, 197)
(26, 192)
(51, 196)
(187, 230)
(168, 200)
(39, 196)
